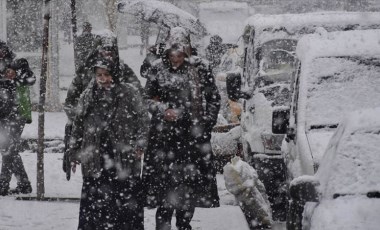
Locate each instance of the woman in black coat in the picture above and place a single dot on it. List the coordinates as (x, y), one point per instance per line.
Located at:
(184, 103)
(108, 139)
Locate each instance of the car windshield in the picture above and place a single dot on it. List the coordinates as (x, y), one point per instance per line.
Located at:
(356, 165)
(277, 57)
(337, 85)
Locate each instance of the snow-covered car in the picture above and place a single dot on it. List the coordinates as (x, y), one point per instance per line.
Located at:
(270, 65)
(270, 40)
(344, 193)
(338, 73)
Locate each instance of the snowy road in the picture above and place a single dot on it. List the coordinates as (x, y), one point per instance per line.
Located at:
(34, 215)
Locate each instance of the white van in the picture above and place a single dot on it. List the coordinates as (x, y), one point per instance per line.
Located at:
(339, 72)
(270, 65)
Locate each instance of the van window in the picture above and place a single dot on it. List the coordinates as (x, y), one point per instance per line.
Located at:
(278, 94)
(337, 85)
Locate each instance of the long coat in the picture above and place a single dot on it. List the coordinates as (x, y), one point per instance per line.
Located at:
(124, 122)
(179, 159)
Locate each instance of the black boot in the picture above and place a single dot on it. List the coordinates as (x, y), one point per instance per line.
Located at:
(4, 192)
(23, 188)
(4, 188)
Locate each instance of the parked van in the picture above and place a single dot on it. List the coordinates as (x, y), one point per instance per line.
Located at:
(339, 72)
(270, 66)
(274, 38)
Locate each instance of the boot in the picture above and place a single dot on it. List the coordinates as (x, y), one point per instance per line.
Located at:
(4, 188)
(23, 188)
(4, 192)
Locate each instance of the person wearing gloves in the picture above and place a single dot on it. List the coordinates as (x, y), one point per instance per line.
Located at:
(108, 140)
(15, 112)
(184, 103)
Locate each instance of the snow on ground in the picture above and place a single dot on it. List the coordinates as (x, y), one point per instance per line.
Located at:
(34, 215)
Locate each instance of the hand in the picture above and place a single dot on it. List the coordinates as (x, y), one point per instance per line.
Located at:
(139, 153)
(74, 166)
(170, 115)
(10, 74)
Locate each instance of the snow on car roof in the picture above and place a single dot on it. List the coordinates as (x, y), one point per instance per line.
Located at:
(339, 43)
(293, 26)
(223, 5)
(294, 22)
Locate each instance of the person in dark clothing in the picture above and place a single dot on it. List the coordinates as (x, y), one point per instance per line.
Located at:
(156, 54)
(108, 50)
(108, 139)
(215, 51)
(184, 103)
(15, 112)
(85, 44)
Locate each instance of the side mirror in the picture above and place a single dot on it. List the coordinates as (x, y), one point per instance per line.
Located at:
(302, 189)
(280, 121)
(233, 83)
(290, 134)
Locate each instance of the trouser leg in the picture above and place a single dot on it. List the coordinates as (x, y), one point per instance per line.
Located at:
(6, 173)
(184, 217)
(11, 160)
(163, 218)
(17, 164)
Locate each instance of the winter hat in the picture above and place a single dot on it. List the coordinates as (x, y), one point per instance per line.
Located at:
(5, 52)
(216, 39)
(179, 38)
(109, 65)
(104, 64)
(86, 25)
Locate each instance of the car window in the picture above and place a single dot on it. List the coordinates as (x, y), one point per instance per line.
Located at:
(278, 61)
(338, 85)
(278, 94)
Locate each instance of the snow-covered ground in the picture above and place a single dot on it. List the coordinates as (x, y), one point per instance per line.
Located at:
(40, 215)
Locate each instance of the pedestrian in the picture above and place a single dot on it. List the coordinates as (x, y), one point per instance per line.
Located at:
(85, 44)
(214, 52)
(107, 48)
(184, 103)
(16, 77)
(108, 140)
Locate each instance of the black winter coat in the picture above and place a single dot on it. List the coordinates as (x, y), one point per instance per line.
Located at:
(116, 123)
(179, 159)
(83, 77)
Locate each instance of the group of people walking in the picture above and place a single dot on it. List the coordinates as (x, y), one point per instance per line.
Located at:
(129, 160)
